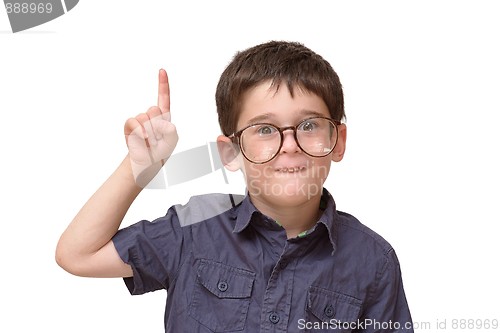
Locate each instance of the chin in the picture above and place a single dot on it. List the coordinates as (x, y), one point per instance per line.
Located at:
(287, 181)
(287, 189)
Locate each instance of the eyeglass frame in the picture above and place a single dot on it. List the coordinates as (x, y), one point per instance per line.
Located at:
(237, 136)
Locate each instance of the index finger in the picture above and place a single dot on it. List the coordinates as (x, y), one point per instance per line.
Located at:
(163, 91)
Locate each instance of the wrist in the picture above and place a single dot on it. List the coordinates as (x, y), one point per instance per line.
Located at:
(138, 174)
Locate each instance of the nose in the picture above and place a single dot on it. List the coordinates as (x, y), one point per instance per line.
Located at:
(289, 143)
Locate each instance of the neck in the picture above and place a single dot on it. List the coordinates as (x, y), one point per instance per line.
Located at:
(294, 218)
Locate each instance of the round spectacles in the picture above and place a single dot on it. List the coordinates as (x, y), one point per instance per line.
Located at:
(260, 143)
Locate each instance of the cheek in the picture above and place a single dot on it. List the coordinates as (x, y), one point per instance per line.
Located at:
(321, 168)
(259, 172)
(257, 178)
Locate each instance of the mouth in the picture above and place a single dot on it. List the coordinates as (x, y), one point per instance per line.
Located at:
(290, 169)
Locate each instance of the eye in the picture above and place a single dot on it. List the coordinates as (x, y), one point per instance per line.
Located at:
(266, 130)
(308, 126)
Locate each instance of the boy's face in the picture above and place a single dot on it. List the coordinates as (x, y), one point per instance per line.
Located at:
(292, 177)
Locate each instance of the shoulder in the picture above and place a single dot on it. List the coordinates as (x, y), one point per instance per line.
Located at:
(356, 235)
(204, 207)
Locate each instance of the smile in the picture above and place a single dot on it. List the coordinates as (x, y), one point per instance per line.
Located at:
(290, 170)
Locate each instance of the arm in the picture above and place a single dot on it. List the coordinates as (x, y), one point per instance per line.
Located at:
(85, 247)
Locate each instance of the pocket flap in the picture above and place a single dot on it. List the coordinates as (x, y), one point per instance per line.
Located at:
(225, 281)
(327, 305)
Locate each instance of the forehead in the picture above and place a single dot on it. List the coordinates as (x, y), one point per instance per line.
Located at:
(278, 105)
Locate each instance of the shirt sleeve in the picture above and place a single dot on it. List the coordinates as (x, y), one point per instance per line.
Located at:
(155, 251)
(387, 310)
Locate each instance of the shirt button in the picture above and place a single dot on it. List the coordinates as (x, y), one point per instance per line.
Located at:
(222, 286)
(283, 264)
(329, 311)
(274, 317)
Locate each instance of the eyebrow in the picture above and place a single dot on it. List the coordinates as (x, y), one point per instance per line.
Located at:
(267, 117)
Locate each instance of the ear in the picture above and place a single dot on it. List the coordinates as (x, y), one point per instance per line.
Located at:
(338, 151)
(228, 153)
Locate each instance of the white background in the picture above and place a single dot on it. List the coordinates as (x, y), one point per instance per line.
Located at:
(421, 82)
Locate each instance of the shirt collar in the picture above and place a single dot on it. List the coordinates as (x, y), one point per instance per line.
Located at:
(243, 214)
(329, 217)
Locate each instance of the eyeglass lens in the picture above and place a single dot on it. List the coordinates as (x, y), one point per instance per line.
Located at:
(261, 142)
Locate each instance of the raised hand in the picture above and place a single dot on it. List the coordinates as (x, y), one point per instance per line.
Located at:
(150, 136)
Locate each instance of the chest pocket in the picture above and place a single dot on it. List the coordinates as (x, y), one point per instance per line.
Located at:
(221, 296)
(330, 311)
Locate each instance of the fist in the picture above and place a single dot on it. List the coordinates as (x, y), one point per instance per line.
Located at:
(151, 137)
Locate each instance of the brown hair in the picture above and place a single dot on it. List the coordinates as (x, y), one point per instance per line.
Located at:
(281, 62)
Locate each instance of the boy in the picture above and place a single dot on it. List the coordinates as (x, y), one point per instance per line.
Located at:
(280, 259)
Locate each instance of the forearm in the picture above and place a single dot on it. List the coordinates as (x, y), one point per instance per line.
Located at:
(99, 219)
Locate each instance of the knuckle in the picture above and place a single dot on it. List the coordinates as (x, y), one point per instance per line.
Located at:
(170, 129)
(153, 110)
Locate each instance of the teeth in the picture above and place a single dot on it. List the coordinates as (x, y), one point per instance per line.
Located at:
(290, 170)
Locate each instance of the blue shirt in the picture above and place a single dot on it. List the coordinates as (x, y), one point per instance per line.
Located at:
(229, 268)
